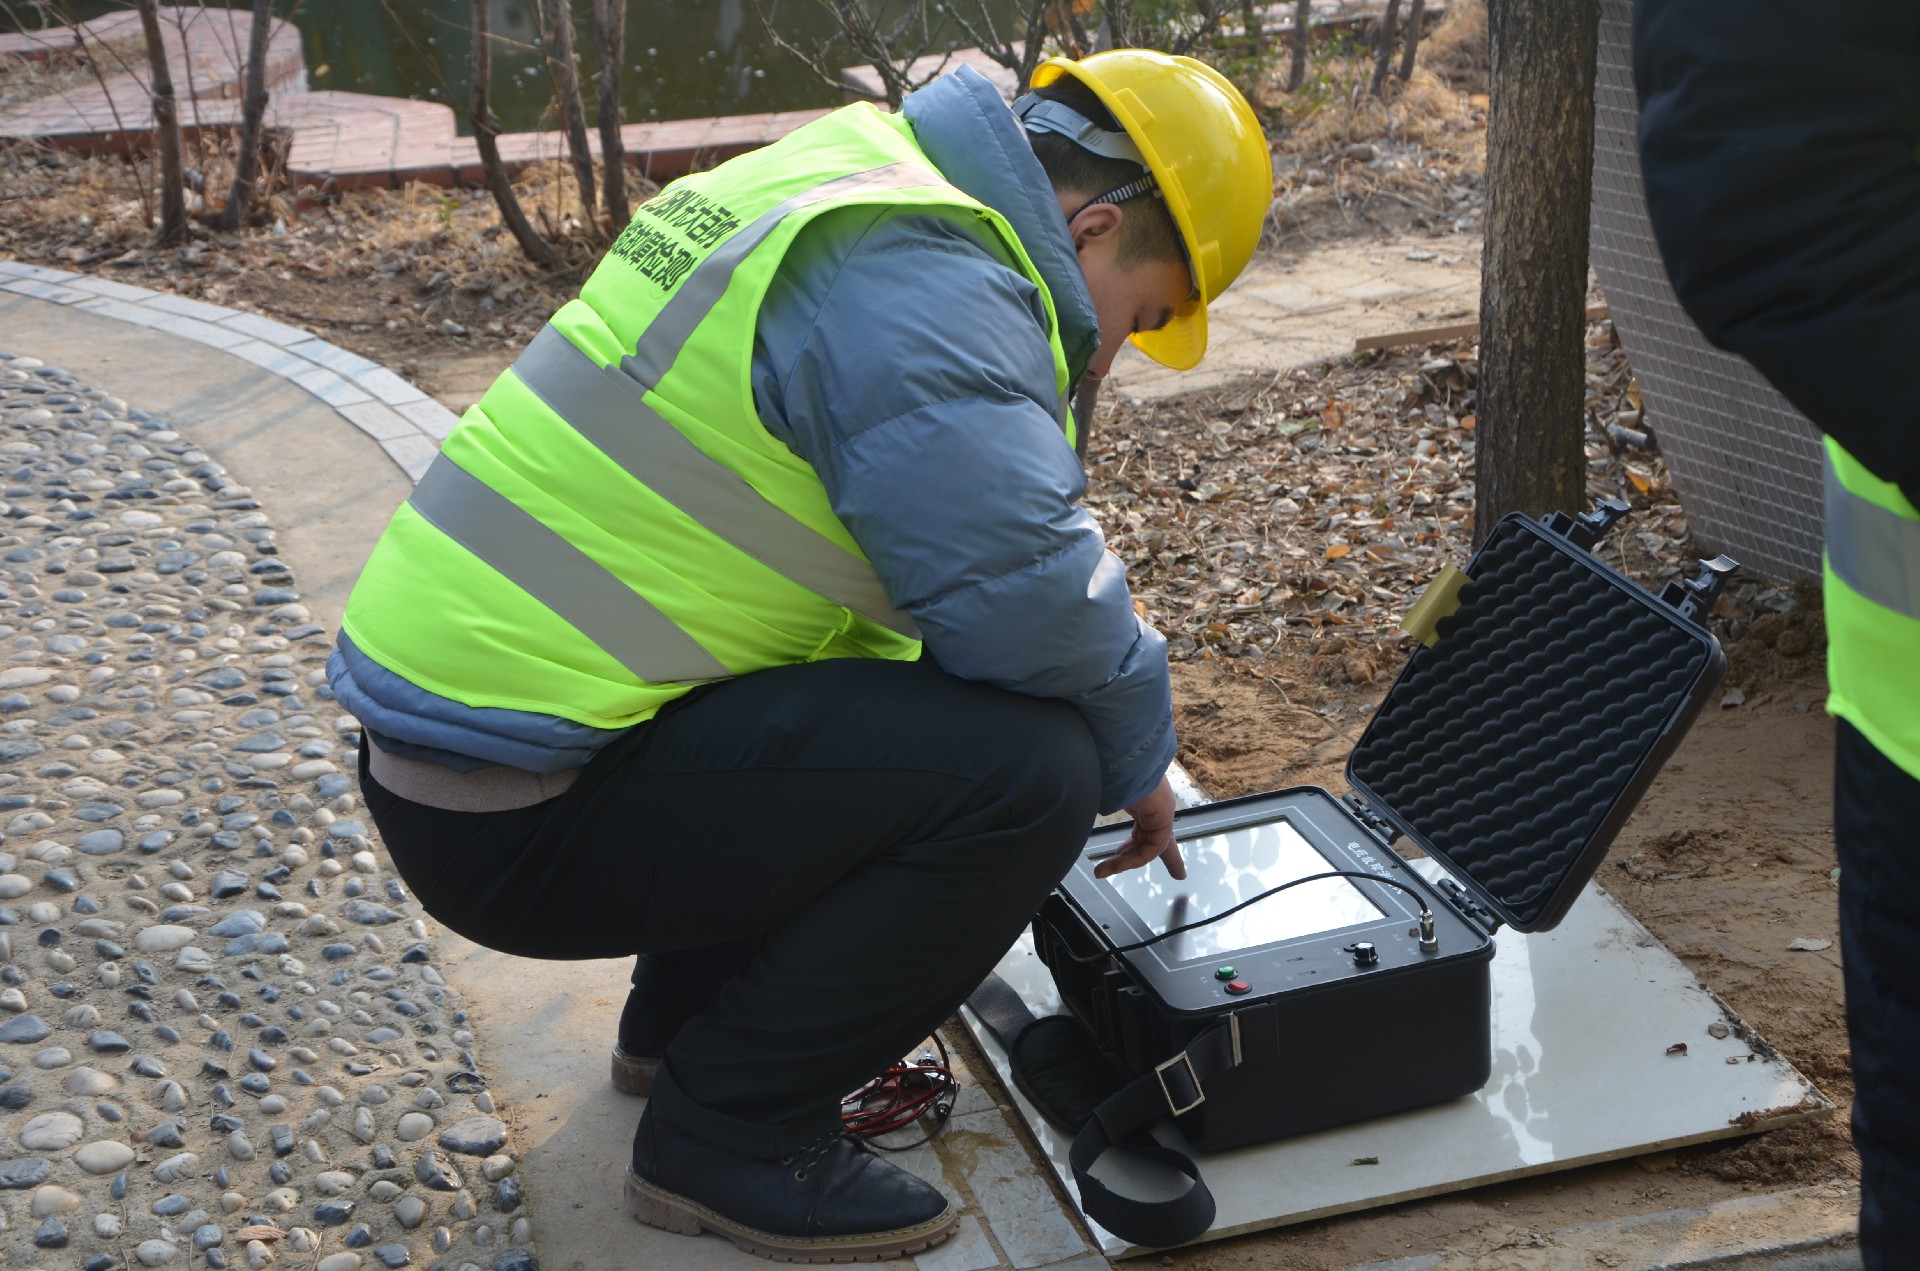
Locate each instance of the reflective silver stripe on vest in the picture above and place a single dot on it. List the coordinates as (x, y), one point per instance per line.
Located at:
(670, 329)
(561, 577)
(610, 410)
(1872, 549)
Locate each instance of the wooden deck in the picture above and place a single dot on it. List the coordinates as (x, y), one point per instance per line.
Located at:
(332, 141)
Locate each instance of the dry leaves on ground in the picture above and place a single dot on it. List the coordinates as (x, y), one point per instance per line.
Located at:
(1315, 505)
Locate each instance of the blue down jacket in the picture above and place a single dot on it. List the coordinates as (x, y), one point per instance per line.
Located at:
(903, 359)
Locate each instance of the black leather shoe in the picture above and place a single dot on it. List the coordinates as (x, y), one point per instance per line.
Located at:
(831, 1201)
(645, 1029)
(633, 1074)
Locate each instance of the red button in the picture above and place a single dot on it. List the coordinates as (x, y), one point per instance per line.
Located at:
(1239, 986)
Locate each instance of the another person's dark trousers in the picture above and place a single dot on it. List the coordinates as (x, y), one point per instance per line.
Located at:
(857, 842)
(1877, 831)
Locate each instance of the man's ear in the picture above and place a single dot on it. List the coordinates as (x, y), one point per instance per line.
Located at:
(1094, 223)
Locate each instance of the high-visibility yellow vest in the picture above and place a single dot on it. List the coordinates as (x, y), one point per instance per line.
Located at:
(1873, 608)
(611, 524)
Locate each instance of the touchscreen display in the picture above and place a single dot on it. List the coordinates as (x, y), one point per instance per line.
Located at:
(1225, 869)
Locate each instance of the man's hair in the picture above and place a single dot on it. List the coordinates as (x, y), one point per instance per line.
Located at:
(1148, 232)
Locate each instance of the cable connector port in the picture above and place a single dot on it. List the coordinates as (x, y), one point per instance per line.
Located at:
(1429, 941)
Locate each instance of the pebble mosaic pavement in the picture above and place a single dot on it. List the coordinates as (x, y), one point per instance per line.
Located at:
(223, 1038)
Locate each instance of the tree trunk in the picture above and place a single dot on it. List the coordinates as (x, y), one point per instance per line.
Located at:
(1416, 16)
(1383, 47)
(1302, 17)
(1530, 456)
(486, 130)
(253, 113)
(166, 128)
(566, 86)
(1250, 26)
(610, 22)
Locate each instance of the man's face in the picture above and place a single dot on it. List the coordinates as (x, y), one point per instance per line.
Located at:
(1141, 296)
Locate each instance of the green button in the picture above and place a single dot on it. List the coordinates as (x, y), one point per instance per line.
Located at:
(1224, 973)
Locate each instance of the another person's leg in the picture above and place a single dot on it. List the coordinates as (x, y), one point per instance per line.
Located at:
(1876, 810)
(669, 989)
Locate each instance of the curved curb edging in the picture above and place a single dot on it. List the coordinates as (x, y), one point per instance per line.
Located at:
(407, 423)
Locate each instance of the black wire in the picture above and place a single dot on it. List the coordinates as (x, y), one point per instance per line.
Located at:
(1425, 911)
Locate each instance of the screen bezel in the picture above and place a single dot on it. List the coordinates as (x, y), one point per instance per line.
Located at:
(1328, 831)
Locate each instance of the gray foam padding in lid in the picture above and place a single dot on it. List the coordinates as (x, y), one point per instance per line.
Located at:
(1506, 744)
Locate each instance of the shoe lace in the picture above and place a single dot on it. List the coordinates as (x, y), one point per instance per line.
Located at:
(811, 1154)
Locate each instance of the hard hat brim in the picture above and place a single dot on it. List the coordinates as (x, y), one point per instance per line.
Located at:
(1181, 343)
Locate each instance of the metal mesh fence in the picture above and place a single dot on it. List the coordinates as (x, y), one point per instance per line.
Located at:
(1746, 464)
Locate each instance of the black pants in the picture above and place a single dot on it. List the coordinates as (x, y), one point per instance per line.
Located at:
(1877, 831)
(844, 849)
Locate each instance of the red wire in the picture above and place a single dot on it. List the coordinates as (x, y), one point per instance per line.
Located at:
(898, 1097)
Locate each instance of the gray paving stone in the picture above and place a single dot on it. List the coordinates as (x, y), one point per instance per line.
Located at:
(333, 357)
(108, 287)
(202, 332)
(271, 357)
(432, 418)
(266, 329)
(138, 315)
(43, 272)
(42, 289)
(414, 454)
(378, 421)
(967, 1249)
(328, 387)
(188, 308)
(388, 387)
(1016, 1202)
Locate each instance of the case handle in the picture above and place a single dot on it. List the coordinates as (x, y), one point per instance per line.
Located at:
(1694, 597)
(1590, 527)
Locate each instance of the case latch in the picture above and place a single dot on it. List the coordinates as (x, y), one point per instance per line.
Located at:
(1383, 829)
(1694, 597)
(1590, 527)
(1469, 908)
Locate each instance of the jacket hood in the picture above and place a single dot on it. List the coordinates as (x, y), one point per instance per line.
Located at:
(972, 137)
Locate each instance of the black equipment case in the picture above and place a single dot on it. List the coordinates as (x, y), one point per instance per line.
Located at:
(1510, 750)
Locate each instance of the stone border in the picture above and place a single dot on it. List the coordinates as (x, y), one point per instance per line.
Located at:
(408, 424)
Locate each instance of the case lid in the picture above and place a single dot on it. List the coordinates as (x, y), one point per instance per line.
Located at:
(1514, 747)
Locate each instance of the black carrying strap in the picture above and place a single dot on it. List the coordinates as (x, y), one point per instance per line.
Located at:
(1121, 1118)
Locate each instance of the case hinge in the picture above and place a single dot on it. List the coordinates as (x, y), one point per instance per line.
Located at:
(1589, 528)
(1694, 597)
(1382, 829)
(1469, 908)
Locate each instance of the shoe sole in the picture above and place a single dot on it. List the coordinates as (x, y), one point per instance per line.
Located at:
(633, 1074)
(657, 1207)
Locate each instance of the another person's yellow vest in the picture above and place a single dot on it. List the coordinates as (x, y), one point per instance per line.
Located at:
(1873, 608)
(611, 524)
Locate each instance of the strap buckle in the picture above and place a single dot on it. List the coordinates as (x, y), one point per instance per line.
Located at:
(1193, 1078)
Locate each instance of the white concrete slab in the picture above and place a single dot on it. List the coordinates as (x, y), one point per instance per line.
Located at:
(1583, 1019)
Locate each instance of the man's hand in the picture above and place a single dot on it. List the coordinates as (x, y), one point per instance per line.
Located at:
(1152, 836)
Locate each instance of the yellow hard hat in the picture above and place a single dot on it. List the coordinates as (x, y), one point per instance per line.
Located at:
(1210, 157)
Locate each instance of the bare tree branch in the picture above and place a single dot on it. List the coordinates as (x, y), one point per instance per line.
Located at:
(821, 61)
(1416, 16)
(1383, 47)
(1019, 56)
(1302, 19)
(566, 89)
(609, 23)
(253, 113)
(486, 132)
(166, 127)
